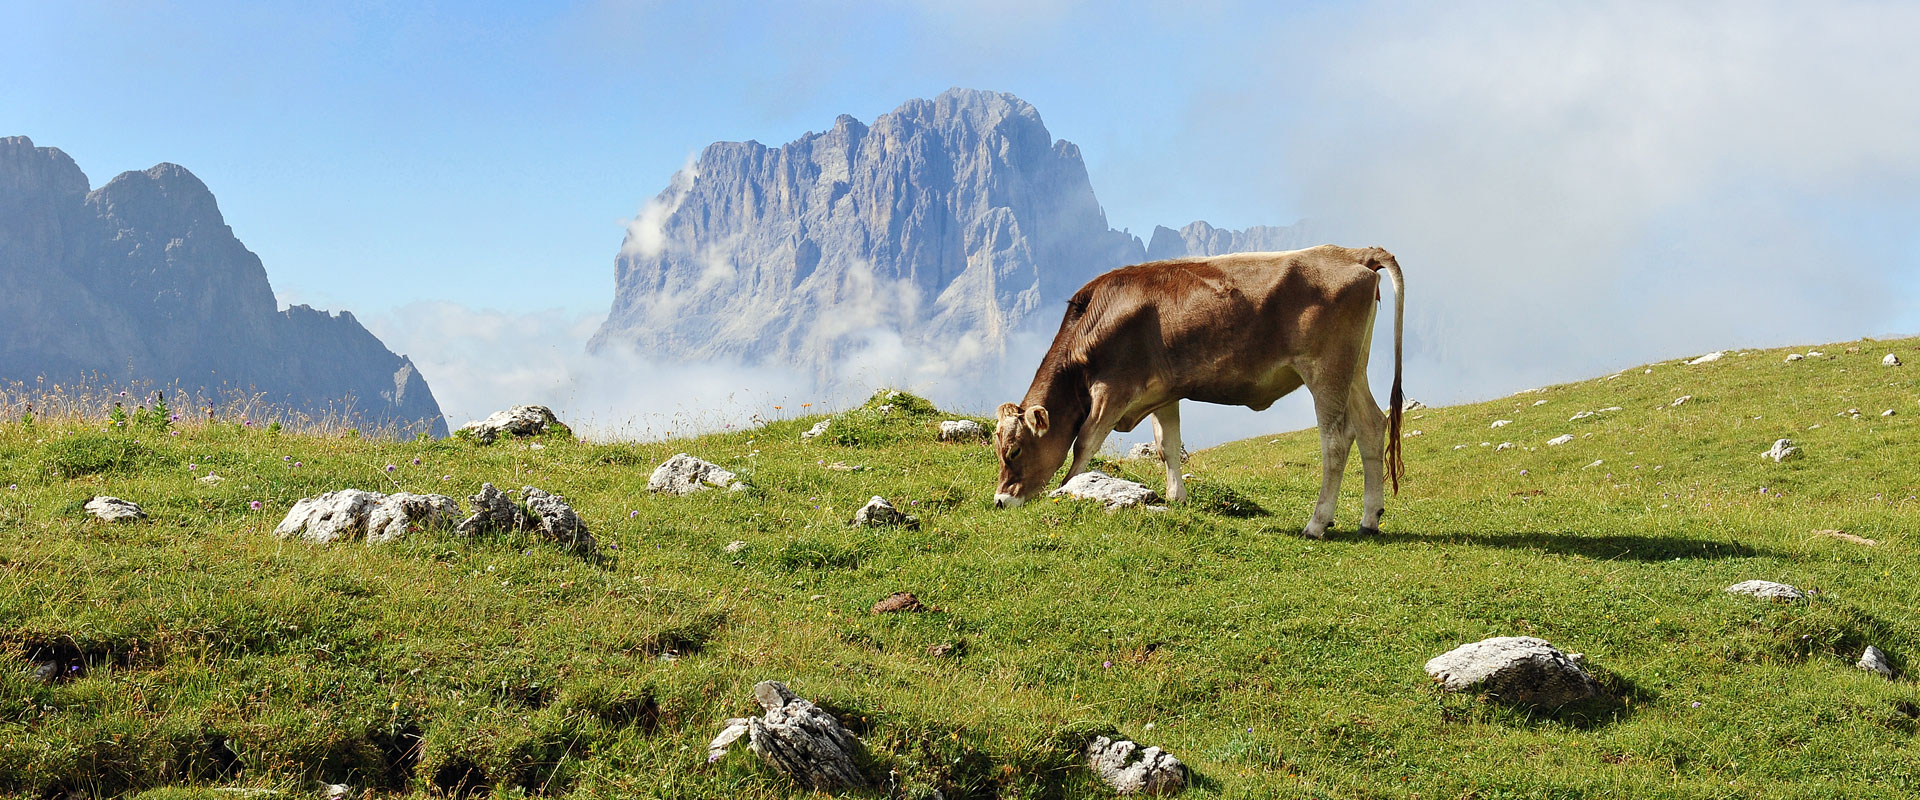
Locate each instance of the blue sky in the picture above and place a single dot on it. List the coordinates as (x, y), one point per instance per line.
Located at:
(1571, 188)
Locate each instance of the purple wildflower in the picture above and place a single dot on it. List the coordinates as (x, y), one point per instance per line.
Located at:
(286, 458)
(1696, 704)
(416, 461)
(296, 463)
(255, 505)
(1106, 665)
(391, 468)
(632, 514)
(193, 467)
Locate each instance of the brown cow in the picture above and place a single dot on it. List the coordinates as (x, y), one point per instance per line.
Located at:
(1242, 329)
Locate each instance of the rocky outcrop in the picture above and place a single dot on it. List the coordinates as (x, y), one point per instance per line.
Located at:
(142, 280)
(1200, 239)
(349, 513)
(114, 509)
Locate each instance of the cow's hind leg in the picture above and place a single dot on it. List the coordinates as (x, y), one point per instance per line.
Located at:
(1370, 429)
(1336, 442)
(1166, 437)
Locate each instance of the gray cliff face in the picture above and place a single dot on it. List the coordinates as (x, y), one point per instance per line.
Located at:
(142, 279)
(1200, 239)
(952, 222)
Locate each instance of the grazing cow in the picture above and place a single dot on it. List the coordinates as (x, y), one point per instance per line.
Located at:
(1242, 329)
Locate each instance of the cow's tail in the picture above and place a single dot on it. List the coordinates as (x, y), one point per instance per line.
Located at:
(1384, 261)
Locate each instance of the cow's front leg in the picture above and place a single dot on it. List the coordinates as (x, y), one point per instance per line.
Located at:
(1166, 437)
(1092, 434)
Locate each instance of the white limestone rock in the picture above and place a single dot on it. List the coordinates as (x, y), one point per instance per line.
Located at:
(796, 738)
(962, 430)
(1580, 416)
(494, 511)
(1766, 590)
(1114, 492)
(1792, 357)
(880, 513)
(819, 429)
(330, 517)
(1560, 440)
(1709, 358)
(391, 517)
(1132, 769)
(1520, 670)
(1415, 405)
(683, 474)
(1782, 450)
(1503, 446)
(1876, 662)
(1890, 361)
(558, 522)
(1501, 423)
(1680, 401)
(114, 509)
(515, 421)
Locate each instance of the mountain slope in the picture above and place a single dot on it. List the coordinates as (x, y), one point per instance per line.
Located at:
(1273, 665)
(142, 280)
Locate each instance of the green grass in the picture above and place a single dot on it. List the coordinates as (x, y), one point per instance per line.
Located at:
(203, 652)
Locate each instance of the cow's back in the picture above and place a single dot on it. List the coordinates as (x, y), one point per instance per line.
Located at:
(1217, 328)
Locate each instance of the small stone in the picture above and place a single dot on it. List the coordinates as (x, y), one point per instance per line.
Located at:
(211, 479)
(1515, 669)
(558, 522)
(1503, 446)
(842, 466)
(962, 430)
(1412, 405)
(1538, 403)
(336, 791)
(1596, 462)
(1501, 423)
(683, 474)
(901, 601)
(1131, 769)
(1887, 413)
(818, 429)
(1560, 440)
(1783, 450)
(736, 546)
(1766, 590)
(114, 509)
(1411, 434)
(1680, 401)
(1814, 354)
(878, 513)
(885, 409)
(942, 650)
(1709, 358)
(516, 421)
(1890, 361)
(1876, 662)
(1580, 416)
(1792, 357)
(1114, 492)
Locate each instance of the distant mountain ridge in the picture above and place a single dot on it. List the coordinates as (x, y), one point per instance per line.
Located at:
(951, 222)
(142, 280)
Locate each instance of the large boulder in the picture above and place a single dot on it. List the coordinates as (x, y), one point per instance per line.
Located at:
(880, 513)
(349, 513)
(1520, 670)
(516, 421)
(683, 474)
(1114, 492)
(798, 739)
(1132, 769)
(114, 509)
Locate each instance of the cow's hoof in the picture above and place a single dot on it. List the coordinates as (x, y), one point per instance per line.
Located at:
(1369, 531)
(1311, 533)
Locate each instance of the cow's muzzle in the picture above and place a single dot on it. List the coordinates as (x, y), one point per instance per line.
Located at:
(1003, 500)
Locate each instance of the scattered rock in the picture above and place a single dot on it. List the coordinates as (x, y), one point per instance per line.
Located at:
(394, 514)
(1149, 450)
(1876, 662)
(1411, 434)
(901, 601)
(494, 511)
(736, 546)
(338, 791)
(1131, 769)
(1680, 401)
(1097, 485)
(1515, 669)
(1580, 416)
(1766, 590)
(211, 479)
(885, 409)
(878, 512)
(330, 517)
(1815, 354)
(1596, 462)
(842, 466)
(114, 509)
(1609, 409)
(1501, 423)
(797, 739)
(1846, 537)
(818, 429)
(1887, 413)
(1538, 403)
(516, 421)
(1851, 412)
(1412, 405)
(1503, 446)
(558, 522)
(1709, 358)
(1792, 357)
(962, 430)
(1890, 361)
(943, 650)
(683, 474)
(1783, 450)
(1560, 440)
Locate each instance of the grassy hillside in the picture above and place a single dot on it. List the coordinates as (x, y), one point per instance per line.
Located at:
(198, 651)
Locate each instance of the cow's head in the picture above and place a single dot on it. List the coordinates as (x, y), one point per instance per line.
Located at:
(1028, 456)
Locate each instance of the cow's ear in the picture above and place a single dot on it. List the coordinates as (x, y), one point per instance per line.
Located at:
(1036, 419)
(1008, 410)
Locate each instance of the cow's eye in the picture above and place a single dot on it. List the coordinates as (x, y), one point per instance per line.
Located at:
(1013, 453)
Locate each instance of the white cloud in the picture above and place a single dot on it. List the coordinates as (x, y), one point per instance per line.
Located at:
(646, 232)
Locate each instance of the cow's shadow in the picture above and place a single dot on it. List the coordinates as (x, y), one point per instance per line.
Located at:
(1602, 547)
